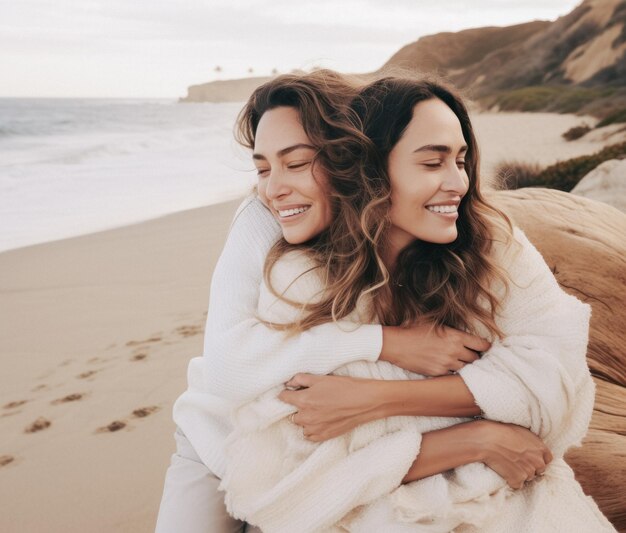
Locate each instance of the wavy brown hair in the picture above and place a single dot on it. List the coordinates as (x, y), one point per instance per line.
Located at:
(354, 131)
(345, 259)
(456, 284)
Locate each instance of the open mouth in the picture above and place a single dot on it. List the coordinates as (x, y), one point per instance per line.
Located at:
(442, 209)
(294, 211)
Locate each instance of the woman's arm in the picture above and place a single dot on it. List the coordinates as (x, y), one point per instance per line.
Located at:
(513, 452)
(329, 406)
(295, 477)
(537, 377)
(244, 358)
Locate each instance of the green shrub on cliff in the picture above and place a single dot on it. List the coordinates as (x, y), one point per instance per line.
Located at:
(562, 176)
(619, 116)
(558, 99)
(576, 132)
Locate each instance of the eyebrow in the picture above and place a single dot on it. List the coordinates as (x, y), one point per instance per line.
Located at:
(438, 148)
(285, 151)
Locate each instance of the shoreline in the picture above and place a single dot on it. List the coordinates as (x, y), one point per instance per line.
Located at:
(531, 138)
(238, 198)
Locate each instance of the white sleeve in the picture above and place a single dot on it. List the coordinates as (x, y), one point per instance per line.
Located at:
(537, 376)
(274, 477)
(243, 357)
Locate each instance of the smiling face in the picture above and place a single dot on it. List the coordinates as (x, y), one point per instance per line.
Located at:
(287, 183)
(426, 169)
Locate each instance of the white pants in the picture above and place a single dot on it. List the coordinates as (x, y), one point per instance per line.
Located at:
(191, 502)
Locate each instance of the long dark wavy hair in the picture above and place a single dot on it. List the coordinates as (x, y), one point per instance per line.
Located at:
(346, 261)
(353, 130)
(455, 284)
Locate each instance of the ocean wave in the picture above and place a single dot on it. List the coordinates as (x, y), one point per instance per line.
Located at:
(81, 167)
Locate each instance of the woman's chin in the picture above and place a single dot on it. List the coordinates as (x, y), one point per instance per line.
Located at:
(295, 237)
(443, 238)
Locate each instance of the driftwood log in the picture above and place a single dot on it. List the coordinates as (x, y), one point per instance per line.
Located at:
(584, 242)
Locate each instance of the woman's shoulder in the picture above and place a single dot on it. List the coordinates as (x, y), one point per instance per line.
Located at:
(253, 220)
(294, 282)
(525, 267)
(513, 249)
(296, 276)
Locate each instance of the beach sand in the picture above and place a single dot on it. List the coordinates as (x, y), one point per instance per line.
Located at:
(96, 335)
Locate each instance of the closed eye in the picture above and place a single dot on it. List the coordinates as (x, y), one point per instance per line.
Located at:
(295, 166)
(261, 171)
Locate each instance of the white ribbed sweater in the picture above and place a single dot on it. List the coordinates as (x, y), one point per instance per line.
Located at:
(243, 358)
(536, 377)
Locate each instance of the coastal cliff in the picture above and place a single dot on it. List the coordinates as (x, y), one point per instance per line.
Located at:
(223, 90)
(575, 64)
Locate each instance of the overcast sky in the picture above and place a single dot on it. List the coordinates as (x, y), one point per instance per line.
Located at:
(156, 48)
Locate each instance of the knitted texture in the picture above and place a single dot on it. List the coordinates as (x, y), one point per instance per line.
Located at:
(536, 376)
(242, 357)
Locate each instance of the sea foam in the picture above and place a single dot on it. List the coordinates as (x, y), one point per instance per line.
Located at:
(70, 167)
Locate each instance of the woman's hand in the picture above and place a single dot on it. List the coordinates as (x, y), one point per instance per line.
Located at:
(430, 351)
(329, 406)
(512, 451)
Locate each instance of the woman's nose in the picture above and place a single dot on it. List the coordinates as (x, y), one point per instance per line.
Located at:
(277, 185)
(456, 180)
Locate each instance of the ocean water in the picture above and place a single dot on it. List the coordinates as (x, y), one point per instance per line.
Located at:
(75, 166)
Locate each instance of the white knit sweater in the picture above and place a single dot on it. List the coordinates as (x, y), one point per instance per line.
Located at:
(536, 377)
(243, 358)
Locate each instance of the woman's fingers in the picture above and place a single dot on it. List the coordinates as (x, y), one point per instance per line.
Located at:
(478, 344)
(456, 365)
(301, 380)
(547, 455)
(468, 356)
(465, 358)
(537, 465)
(289, 396)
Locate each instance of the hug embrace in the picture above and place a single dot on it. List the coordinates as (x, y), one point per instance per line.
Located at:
(384, 351)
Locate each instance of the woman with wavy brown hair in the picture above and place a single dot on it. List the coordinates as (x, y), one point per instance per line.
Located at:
(395, 253)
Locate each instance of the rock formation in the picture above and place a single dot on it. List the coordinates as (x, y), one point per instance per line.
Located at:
(223, 90)
(585, 48)
(583, 243)
(605, 183)
(575, 64)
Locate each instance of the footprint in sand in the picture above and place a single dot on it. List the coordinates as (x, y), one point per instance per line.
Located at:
(139, 356)
(87, 374)
(69, 398)
(6, 459)
(116, 425)
(142, 412)
(189, 331)
(13, 405)
(38, 425)
(154, 338)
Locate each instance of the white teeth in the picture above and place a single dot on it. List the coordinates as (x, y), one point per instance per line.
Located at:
(291, 212)
(442, 208)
